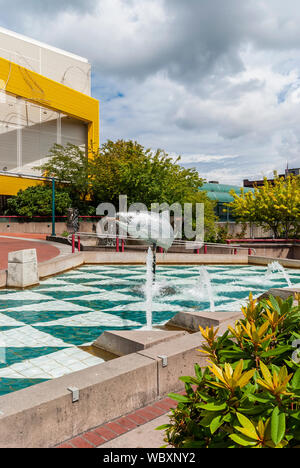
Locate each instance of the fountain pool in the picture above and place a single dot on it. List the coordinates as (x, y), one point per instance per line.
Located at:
(46, 331)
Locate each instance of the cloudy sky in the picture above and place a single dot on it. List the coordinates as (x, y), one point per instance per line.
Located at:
(217, 81)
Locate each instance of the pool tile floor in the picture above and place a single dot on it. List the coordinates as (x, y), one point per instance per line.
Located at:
(43, 329)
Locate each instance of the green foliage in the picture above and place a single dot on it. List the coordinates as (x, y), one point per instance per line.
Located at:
(217, 234)
(242, 233)
(125, 168)
(246, 397)
(273, 206)
(37, 201)
(70, 166)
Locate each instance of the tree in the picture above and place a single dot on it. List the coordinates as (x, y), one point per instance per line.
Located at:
(145, 176)
(70, 166)
(274, 206)
(37, 201)
(126, 168)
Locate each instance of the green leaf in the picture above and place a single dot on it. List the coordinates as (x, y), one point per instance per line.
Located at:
(232, 354)
(296, 380)
(257, 409)
(198, 372)
(190, 443)
(242, 440)
(261, 398)
(213, 406)
(216, 423)
(180, 398)
(274, 303)
(208, 418)
(190, 380)
(276, 351)
(163, 427)
(247, 424)
(277, 426)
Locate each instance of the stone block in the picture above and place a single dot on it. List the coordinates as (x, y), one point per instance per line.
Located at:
(284, 293)
(191, 320)
(22, 269)
(122, 343)
(22, 275)
(22, 256)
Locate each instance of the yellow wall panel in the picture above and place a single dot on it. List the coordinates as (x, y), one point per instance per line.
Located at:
(11, 185)
(50, 94)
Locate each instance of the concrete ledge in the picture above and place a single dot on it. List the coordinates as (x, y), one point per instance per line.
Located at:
(3, 278)
(182, 355)
(191, 320)
(44, 415)
(60, 264)
(188, 258)
(286, 262)
(127, 342)
(284, 293)
(66, 262)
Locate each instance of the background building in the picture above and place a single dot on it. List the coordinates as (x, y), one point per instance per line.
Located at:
(45, 98)
(260, 183)
(220, 194)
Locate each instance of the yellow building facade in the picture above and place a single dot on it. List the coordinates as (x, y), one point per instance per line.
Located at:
(45, 98)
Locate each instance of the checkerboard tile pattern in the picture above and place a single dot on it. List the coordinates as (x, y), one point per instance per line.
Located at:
(43, 330)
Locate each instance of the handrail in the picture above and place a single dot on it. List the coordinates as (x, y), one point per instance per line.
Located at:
(267, 240)
(193, 245)
(47, 217)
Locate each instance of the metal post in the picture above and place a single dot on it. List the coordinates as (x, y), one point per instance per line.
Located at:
(123, 245)
(53, 207)
(117, 245)
(154, 260)
(73, 243)
(205, 249)
(78, 243)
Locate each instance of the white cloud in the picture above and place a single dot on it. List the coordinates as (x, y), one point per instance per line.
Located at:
(217, 82)
(207, 158)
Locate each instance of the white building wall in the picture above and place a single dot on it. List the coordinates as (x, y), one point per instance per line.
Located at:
(27, 130)
(56, 64)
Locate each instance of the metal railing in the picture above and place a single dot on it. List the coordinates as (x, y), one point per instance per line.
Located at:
(11, 218)
(120, 242)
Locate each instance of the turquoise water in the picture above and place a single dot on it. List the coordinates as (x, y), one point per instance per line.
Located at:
(41, 329)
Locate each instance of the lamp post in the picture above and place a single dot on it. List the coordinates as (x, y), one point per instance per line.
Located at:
(53, 207)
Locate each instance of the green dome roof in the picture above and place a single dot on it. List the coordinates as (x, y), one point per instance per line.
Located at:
(223, 197)
(220, 192)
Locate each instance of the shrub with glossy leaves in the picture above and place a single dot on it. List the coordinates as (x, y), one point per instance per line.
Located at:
(249, 395)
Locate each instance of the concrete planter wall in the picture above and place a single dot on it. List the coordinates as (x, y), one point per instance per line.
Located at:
(44, 415)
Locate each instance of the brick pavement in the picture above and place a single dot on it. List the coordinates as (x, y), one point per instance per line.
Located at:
(44, 250)
(114, 429)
